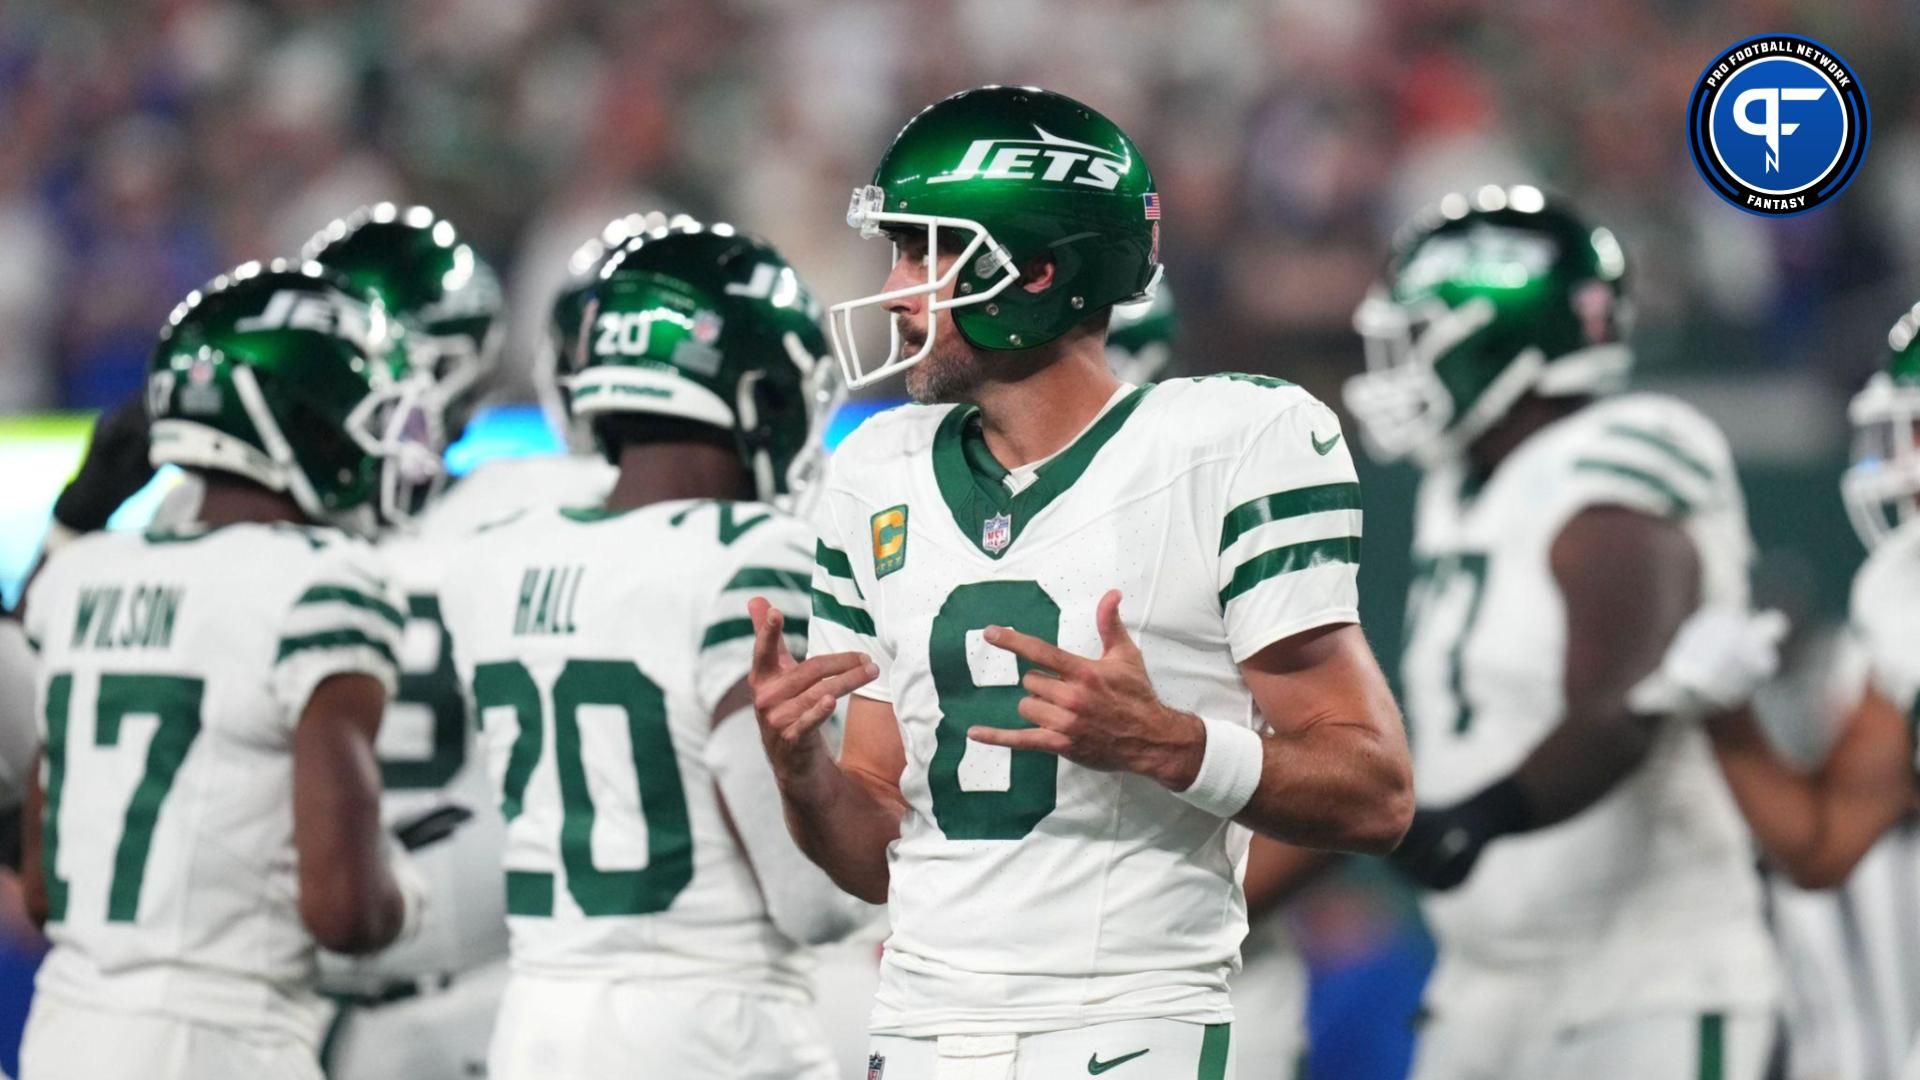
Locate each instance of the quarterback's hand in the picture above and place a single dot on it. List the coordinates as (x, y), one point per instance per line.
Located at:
(1718, 658)
(792, 698)
(1102, 714)
(115, 467)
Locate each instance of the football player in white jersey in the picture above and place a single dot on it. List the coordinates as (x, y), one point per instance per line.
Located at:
(208, 809)
(1818, 826)
(656, 905)
(1087, 627)
(425, 1012)
(1594, 901)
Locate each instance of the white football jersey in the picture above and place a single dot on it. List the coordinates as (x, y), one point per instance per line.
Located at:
(596, 647)
(174, 669)
(1649, 898)
(1886, 616)
(1029, 894)
(427, 752)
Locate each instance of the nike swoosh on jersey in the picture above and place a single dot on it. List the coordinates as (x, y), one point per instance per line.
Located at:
(1321, 448)
(1095, 1066)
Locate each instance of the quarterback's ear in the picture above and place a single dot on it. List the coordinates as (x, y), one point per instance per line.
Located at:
(1036, 276)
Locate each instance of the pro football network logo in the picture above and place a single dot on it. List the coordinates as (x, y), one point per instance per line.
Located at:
(1778, 124)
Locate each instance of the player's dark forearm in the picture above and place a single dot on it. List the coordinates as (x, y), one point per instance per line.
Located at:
(1337, 786)
(1796, 823)
(33, 881)
(841, 827)
(1579, 762)
(349, 899)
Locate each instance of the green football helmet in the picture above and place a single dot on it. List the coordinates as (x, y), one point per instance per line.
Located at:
(707, 324)
(551, 365)
(437, 286)
(1882, 486)
(1021, 173)
(1487, 298)
(1140, 338)
(289, 376)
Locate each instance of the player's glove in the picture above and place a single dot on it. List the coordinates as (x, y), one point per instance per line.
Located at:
(1443, 843)
(1719, 657)
(115, 467)
(430, 826)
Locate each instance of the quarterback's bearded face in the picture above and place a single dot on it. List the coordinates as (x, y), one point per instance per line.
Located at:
(952, 370)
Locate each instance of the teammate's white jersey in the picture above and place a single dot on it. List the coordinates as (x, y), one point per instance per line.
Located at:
(1029, 894)
(174, 668)
(426, 747)
(1886, 616)
(596, 647)
(1648, 899)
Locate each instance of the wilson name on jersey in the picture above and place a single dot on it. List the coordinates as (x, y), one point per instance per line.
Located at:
(174, 670)
(426, 745)
(1027, 893)
(596, 648)
(1647, 899)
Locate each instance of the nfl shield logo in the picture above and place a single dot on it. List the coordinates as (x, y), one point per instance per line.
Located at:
(997, 533)
(875, 1066)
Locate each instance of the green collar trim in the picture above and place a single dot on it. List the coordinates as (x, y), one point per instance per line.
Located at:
(973, 484)
(585, 515)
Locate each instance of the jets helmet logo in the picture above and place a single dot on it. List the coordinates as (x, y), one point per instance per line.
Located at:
(1047, 157)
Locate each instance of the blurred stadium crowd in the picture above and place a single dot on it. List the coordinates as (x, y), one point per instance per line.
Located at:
(150, 145)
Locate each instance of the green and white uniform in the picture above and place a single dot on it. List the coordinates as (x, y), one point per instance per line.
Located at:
(1645, 907)
(1029, 894)
(426, 1008)
(1885, 621)
(174, 670)
(596, 648)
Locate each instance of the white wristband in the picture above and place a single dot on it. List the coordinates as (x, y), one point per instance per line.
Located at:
(1229, 769)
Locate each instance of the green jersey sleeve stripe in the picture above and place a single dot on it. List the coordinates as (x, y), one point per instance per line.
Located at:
(834, 561)
(1681, 506)
(33, 643)
(340, 594)
(1318, 499)
(1286, 560)
(734, 629)
(333, 639)
(853, 618)
(768, 577)
(1680, 455)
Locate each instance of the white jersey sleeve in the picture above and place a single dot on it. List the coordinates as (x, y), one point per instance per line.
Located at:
(346, 620)
(774, 561)
(1289, 537)
(843, 576)
(1886, 616)
(1656, 455)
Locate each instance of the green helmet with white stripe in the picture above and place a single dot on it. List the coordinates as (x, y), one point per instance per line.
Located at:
(436, 284)
(1011, 175)
(1882, 486)
(1487, 298)
(288, 376)
(708, 324)
(553, 363)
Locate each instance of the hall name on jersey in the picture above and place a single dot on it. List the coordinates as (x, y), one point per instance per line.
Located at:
(118, 617)
(547, 598)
